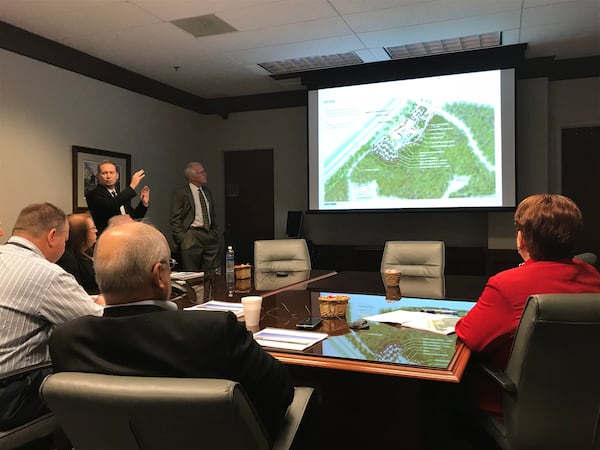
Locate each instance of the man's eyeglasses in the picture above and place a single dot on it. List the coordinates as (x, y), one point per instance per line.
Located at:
(171, 262)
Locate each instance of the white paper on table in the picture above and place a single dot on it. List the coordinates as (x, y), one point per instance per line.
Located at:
(288, 339)
(437, 323)
(215, 305)
(400, 316)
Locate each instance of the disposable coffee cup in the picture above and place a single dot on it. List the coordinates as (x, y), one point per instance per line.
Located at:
(252, 304)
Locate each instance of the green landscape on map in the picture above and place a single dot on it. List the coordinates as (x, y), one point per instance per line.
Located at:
(432, 156)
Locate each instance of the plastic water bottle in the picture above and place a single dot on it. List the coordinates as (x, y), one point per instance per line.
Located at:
(229, 268)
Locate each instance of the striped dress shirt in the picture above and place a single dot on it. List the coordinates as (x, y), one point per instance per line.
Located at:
(35, 296)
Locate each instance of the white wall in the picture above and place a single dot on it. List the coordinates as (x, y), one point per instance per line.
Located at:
(45, 110)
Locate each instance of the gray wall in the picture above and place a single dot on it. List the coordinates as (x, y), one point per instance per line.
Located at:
(45, 110)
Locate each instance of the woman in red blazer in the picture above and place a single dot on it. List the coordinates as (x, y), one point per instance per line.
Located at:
(547, 226)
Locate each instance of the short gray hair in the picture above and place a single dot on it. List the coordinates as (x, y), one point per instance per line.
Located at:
(39, 218)
(189, 170)
(128, 267)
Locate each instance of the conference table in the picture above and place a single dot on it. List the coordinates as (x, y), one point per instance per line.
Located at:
(383, 348)
(360, 374)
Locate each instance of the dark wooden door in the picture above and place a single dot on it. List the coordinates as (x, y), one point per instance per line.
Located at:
(580, 180)
(249, 200)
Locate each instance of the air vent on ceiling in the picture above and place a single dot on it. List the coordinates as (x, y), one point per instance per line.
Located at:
(207, 25)
(310, 63)
(459, 44)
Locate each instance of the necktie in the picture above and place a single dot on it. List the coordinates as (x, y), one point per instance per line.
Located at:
(205, 217)
(121, 208)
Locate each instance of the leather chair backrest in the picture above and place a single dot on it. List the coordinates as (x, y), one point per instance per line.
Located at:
(281, 255)
(555, 366)
(588, 257)
(415, 258)
(151, 413)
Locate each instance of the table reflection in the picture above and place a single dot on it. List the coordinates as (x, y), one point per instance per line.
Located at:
(269, 281)
(382, 342)
(392, 343)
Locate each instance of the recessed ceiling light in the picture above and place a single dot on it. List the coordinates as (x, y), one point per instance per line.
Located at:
(459, 44)
(311, 63)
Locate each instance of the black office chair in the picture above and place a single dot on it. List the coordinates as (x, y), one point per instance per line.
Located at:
(551, 386)
(33, 430)
(99, 412)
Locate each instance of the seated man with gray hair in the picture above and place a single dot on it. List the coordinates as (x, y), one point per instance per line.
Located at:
(143, 334)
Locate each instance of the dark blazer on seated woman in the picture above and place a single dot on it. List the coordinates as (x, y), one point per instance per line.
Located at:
(77, 258)
(146, 339)
(82, 268)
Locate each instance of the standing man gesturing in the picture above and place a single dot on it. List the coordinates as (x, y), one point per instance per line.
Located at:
(106, 200)
(192, 220)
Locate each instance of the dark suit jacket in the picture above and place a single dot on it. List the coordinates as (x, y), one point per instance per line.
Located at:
(183, 211)
(103, 205)
(146, 340)
(81, 268)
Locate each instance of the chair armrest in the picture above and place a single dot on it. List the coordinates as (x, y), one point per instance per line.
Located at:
(294, 418)
(499, 377)
(19, 373)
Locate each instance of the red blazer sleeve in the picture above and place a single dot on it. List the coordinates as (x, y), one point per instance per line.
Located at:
(490, 320)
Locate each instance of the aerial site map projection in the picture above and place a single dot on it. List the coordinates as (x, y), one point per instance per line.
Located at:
(421, 141)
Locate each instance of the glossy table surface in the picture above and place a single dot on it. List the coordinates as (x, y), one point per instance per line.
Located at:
(384, 348)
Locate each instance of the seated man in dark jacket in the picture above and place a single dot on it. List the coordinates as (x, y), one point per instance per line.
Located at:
(143, 334)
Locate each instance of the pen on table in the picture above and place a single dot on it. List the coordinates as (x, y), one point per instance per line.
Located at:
(440, 311)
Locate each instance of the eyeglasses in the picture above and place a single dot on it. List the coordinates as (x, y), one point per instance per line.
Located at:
(171, 262)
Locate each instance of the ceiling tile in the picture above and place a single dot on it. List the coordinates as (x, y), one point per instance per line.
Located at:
(429, 12)
(441, 30)
(98, 19)
(277, 13)
(169, 10)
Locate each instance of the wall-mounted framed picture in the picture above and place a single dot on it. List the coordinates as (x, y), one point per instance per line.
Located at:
(85, 168)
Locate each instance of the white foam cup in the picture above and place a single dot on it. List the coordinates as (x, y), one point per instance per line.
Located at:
(252, 305)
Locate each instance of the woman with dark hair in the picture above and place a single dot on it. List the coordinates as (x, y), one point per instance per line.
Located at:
(77, 259)
(547, 227)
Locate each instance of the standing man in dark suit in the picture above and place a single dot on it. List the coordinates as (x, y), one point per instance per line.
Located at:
(106, 200)
(142, 333)
(192, 218)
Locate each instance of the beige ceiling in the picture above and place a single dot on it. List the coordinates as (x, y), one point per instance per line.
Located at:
(138, 35)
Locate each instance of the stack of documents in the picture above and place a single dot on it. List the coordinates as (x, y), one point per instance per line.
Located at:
(437, 323)
(181, 276)
(288, 339)
(214, 305)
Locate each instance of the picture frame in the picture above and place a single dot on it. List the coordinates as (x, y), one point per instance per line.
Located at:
(85, 168)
